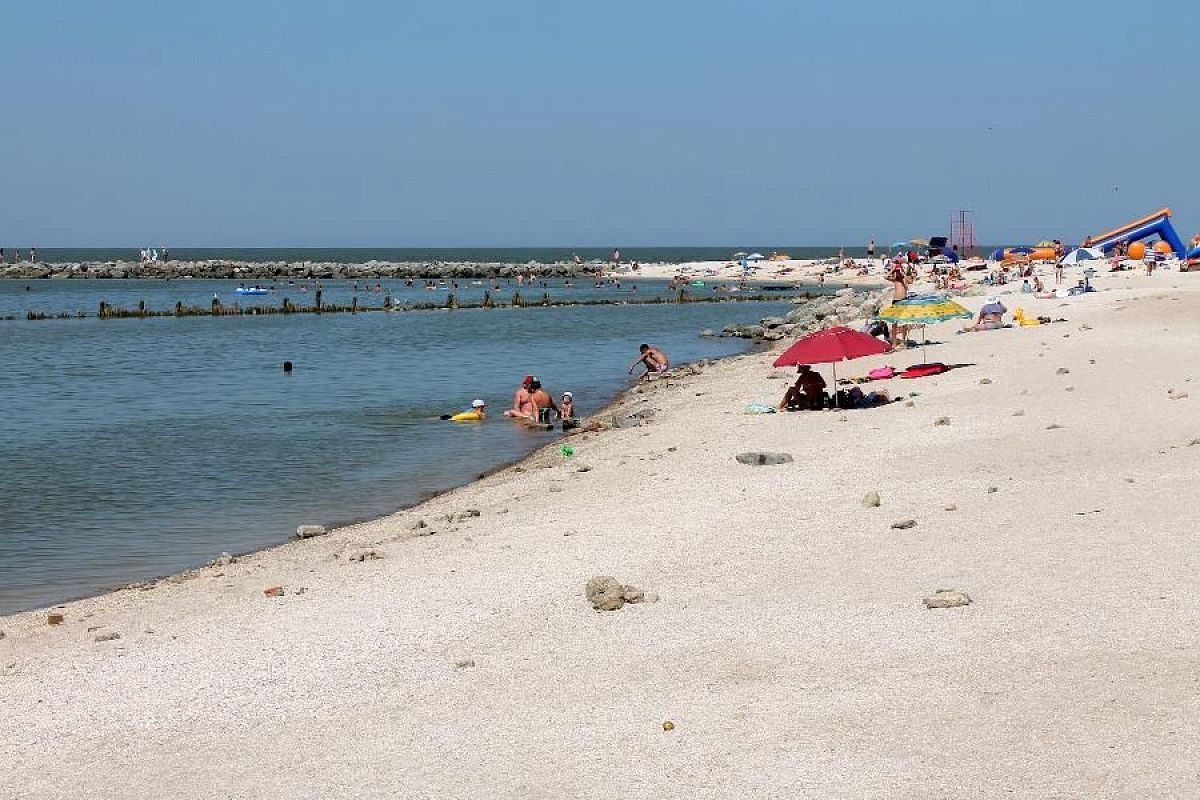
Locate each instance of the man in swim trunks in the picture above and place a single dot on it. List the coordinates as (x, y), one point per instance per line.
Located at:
(542, 402)
(655, 360)
(522, 406)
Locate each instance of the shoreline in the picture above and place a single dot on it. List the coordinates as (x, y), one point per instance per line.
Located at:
(610, 408)
(788, 644)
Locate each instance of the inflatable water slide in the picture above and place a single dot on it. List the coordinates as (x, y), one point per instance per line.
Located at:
(1157, 224)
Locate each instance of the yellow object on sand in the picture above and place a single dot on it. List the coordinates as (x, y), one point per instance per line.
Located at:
(1024, 321)
(467, 416)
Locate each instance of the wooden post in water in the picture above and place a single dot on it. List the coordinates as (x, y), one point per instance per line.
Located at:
(516, 300)
(216, 307)
(179, 308)
(545, 298)
(487, 299)
(141, 308)
(354, 304)
(450, 301)
(103, 312)
(318, 300)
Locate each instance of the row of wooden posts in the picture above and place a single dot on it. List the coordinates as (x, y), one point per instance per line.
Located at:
(218, 309)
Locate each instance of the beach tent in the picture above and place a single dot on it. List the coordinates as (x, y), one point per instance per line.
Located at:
(1083, 254)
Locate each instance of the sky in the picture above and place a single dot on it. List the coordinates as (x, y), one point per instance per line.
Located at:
(526, 123)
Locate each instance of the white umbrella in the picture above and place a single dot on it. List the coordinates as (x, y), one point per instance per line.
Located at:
(755, 257)
(1084, 254)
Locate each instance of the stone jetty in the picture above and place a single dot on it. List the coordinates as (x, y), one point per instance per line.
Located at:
(301, 270)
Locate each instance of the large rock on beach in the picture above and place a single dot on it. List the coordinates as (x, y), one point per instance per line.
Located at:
(309, 531)
(763, 459)
(947, 598)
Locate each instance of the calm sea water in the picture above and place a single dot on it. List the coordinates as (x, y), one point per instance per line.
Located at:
(503, 255)
(136, 448)
(18, 297)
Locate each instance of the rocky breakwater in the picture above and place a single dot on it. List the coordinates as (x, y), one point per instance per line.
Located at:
(845, 307)
(288, 270)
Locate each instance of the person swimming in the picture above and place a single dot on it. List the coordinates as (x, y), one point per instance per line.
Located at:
(477, 413)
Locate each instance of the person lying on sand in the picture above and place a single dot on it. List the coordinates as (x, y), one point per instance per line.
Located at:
(808, 393)
(654, 359)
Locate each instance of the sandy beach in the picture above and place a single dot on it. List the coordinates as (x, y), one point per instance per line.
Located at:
(449, 651)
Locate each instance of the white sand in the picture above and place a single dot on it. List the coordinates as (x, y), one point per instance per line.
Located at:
(790, 647)
(808, 271)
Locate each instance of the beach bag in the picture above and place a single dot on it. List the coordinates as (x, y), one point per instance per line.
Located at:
(881, 373)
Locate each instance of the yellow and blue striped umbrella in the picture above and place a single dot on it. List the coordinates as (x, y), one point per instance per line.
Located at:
(923, 309)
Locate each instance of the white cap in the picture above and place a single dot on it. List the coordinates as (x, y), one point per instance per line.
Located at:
(568, 394)
(477, 403)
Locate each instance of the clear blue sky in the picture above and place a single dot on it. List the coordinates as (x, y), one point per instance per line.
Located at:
(483, 122)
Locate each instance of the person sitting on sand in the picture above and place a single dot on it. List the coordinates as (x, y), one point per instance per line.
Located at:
(542, 402)
(522, 407)
(808, 393)
(655, 360)
(990, 317)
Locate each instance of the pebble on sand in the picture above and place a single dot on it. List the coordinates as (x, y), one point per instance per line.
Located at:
(464, 663)
(606, 593)
(668, 725)
(107, 637)
(942, 421)
(947, 598)
(366, 554)
(54, 618)
(273, 591)
(1062, 371)
(871, 500)
(309, 531)
(904, 524)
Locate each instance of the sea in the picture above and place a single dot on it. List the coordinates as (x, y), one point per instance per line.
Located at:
(135, 448)
(490, 255)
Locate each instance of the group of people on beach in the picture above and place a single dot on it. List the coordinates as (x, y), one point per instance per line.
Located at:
(532, 403)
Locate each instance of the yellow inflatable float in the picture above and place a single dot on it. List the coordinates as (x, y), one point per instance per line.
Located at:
(478, 412)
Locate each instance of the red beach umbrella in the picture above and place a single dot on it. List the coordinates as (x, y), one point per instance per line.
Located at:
(830, 346)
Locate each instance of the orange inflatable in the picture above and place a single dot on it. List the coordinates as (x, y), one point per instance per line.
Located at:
(1162, 247)
(1137, 251)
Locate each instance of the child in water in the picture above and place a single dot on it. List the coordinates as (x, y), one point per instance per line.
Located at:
(566, 411)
